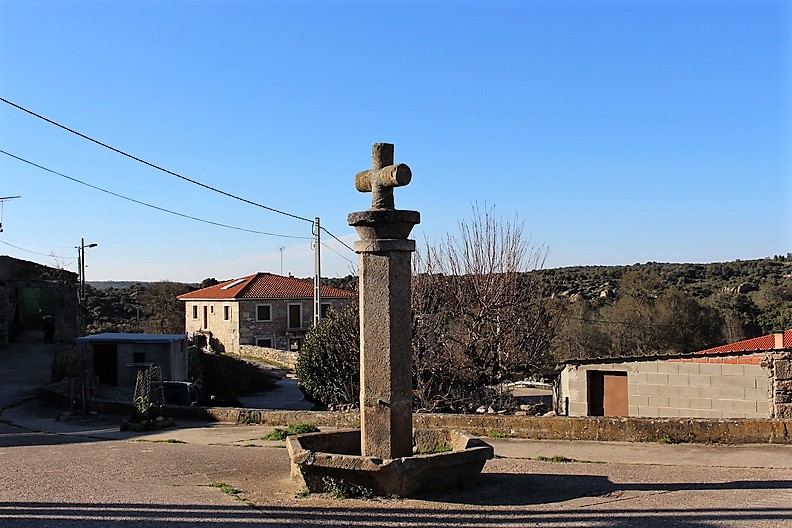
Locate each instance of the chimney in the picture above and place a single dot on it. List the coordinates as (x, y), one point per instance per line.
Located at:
(778, 340)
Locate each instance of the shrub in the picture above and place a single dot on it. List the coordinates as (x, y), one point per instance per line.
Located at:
(328, 367)
(294, 429)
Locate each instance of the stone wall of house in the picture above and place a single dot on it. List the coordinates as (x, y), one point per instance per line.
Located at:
(223, 331)
(251, 330)
(662, 388)
(284, 357)
(19, 278)
(780, 364)
(241, 326)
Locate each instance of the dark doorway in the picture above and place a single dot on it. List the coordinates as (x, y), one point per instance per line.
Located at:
(607, 393)
(295, 316)
(105, 360)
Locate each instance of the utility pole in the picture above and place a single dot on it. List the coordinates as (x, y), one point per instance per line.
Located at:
(317, 274)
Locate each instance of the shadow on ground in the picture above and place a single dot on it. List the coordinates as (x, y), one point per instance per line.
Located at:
(508, 489)
(371, 515)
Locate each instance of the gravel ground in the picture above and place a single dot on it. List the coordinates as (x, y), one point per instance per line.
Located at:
(126, 484)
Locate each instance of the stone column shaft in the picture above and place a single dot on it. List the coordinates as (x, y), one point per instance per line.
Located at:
(386, 355)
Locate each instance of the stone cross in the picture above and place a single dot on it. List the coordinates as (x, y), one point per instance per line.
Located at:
(382, 177)
(385, 313)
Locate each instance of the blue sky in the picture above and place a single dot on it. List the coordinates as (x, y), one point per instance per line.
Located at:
(617, 131)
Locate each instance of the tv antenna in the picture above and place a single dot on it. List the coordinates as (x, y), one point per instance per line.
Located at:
(2, 207)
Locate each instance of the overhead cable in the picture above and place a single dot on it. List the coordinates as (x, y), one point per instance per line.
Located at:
(152, 165)
(338, 239)
(33, 252)
(150, 205)
(339, 254)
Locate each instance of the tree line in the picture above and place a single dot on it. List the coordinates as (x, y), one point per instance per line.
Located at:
(486, 312)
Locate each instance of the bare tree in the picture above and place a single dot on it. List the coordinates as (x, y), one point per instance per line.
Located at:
(164, 312)
(480, 317)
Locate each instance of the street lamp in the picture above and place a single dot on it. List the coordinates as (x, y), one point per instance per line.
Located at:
(81, 265)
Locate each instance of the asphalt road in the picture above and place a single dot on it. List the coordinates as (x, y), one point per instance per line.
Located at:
(91, 475)
(128, 483)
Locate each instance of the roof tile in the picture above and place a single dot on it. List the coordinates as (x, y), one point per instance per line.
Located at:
(765, 342)
(264, 286)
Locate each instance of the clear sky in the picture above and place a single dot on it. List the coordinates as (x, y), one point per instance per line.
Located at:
(617, 131)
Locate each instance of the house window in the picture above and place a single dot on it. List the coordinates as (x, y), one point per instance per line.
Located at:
(264, 342)
(205, 317)
(226, 312)
(211, 309)
(263, 312)
(324, 310)
(195, 311)
(295, 316)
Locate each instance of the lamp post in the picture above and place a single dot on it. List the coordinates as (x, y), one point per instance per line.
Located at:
(81, 265)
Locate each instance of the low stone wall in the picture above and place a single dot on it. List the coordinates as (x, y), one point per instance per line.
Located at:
(734, 431)
(284, 357)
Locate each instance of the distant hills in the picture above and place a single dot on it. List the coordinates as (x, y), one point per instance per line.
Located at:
(700, 280)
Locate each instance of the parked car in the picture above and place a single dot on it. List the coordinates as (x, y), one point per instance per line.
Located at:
(180, 393)
(187, 394)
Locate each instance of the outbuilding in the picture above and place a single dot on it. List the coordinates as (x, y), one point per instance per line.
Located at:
(746, 379)
(115, 359)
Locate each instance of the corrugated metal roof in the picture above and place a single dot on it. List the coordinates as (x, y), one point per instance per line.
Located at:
(133, 338)
(265, 286)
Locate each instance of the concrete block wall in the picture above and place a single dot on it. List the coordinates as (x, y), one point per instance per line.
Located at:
(679, 389)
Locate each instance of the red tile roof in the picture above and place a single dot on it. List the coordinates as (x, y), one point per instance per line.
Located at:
(264, 286)
(766, 342)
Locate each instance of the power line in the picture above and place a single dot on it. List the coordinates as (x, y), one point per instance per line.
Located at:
(150, 205)
(623, 323)
(337, 239)
(94, 257)
(38, 245)
(152, 165)
(339, 254)
(34, 252)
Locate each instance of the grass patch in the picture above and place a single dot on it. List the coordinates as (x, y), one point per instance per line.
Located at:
(338, 489)
(166, 441)
(225, 488)
(270, 362)
(430, 451)
(563, 459)
(294, 429)
(555, 458)
(665, 439)
(304, 491)
(500, 434)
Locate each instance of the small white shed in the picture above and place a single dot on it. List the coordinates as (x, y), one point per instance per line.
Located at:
(116, 358)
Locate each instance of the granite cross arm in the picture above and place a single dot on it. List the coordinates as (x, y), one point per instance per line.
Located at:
(382, 177)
